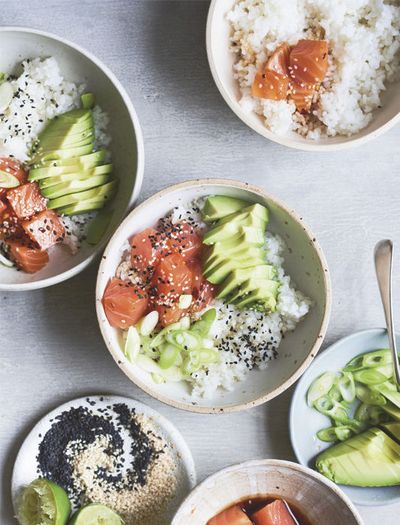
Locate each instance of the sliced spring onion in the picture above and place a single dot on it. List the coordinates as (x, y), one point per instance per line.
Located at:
(6, 95)
(377, 358)
(132, 344)
(159, 338)
(8, 180)
(5, 262)
(369, 397)
(393, 397)
(320, 387)
(184, 339)
(169, 355)
(207, 343)
(386, 385)
(148, 365)
(203, 325)
(209, 356)
(347, 387)
(332, 434)
(157, 378)
(355, 364)
(369, 376)
(191, 363)
(332, 409)
(334, 393)
(148, 323)
(185, 322)
(370, 414)
(147, 349)
(185, 301)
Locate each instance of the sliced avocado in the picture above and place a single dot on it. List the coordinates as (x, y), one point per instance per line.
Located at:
(251, 252)
(103, 169)
(261, 298)
(222, 232)
(73, 186)
(254, 284)
(88, 100)
(84, 206)
(218, 206)
(254, 209)
(246, 235)
(100, 193)
(63, 153)
(88, 161)
(222, 270)
(98, 226)
(237, 277)
(67, 141)
(370, 459)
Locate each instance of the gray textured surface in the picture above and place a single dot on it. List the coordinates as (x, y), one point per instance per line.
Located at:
(51, 349)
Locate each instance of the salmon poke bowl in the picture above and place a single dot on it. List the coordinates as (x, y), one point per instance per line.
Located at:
(267, 492)
(310, 74)
(71, 158)
(212, 296)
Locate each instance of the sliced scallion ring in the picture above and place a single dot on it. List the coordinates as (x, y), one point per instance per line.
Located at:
(347, 387)
(369, 376)
(320, 387)
(132, 344)
(185, 301)
(147, 325)
(332, 434)
(168, 356)
(369, 397)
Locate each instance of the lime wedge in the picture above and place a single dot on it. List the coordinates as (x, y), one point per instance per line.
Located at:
(96, 514)
(43, 503)
(7, 180)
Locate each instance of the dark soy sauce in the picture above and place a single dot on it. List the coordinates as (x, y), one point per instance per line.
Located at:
(252, 505)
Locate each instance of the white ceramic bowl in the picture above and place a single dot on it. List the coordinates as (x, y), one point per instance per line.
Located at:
(304, 262)
(80, 66)
(319, 499)
(221, 61)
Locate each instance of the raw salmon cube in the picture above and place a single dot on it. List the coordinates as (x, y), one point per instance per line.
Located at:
(26, 200)
(27, 257)
(9, 223)
(232, 516)
(45, 229)
(276, 513)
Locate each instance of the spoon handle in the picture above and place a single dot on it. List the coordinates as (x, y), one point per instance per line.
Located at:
(383, 266)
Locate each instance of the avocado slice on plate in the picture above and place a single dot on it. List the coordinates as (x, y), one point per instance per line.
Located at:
(370, 459)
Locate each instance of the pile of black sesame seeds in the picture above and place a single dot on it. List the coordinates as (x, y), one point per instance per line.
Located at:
(79, 428)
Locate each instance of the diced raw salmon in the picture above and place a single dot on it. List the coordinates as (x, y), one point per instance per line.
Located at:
(10, 226)
(183, 238)
(275, 513)
(45, 229)
(124, 304)
(232, 516)
(302, 96)
(27, 257)
(271, 85)
(279, 60)
(309, 61)
(26, 200)
(203, 292)
(146, 249)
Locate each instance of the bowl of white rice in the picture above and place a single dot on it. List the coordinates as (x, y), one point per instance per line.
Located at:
(260, 354)
(359, 97)
(48, 75)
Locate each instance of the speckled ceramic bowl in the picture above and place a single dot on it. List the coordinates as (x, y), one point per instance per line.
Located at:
(80, 66)
(319, 499)
(221, 61)
(304, 262)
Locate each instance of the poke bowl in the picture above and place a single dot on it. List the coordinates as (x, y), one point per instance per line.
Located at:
(213, 314)
(266, 60)
(71, 158)
(267, 491)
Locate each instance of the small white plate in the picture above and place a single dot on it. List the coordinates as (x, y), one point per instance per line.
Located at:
(25, 468)
(305, 422)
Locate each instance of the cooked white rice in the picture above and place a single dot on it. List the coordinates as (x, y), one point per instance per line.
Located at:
(364, 41)
(41, 93)
(245, 338)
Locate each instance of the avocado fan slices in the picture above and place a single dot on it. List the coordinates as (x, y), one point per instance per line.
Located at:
(70, 173)
(235, 259)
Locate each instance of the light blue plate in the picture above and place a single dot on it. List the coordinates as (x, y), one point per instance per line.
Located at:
(305, 422)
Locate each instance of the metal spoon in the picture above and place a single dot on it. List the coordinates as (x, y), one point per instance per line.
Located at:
(383, 266)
